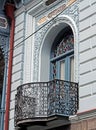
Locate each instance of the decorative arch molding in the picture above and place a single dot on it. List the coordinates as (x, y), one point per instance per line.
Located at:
(55, 26)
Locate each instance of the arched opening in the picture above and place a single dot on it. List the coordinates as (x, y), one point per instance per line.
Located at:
(2, 66)
(56, 33)
(46, 50)
(62, 56)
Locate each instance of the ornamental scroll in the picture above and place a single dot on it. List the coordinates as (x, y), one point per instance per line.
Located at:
(3, 22)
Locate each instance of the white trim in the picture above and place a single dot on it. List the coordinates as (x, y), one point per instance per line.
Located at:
(29, 46)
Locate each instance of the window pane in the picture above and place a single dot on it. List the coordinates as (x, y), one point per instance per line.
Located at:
(62, 70)
(64, 46)
(72, 68)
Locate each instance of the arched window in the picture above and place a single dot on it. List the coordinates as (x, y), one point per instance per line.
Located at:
(62, 56)
(2, 64)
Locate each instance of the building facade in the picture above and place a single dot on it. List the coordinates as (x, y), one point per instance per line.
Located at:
(53, 83)
(4, 48)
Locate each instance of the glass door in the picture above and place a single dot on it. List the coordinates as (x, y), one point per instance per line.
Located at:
(72, 69)
(62, 59)
(62, 69)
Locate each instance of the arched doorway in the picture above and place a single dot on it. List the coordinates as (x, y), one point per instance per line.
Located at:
(62, 56)
(65, 27)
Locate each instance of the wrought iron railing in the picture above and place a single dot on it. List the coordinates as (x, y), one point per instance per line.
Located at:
(45, 99)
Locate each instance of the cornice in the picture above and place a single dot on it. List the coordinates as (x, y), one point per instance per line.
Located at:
(35, 8)
(83, 116)
(19, 11)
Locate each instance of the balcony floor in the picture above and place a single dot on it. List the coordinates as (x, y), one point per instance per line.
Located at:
(44, 123)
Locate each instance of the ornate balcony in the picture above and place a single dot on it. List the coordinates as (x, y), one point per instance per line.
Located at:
(44, 101)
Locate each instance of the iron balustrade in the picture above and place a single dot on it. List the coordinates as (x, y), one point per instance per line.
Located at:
(45, 99)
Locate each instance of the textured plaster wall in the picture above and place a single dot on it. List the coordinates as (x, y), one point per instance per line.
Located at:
(87, 54)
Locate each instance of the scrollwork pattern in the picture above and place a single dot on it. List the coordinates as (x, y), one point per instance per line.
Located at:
(37, 100)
